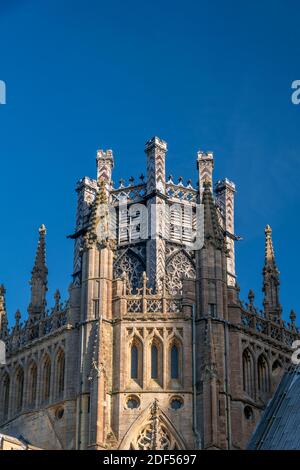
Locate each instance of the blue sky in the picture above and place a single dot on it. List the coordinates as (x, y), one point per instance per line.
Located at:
(201, 75)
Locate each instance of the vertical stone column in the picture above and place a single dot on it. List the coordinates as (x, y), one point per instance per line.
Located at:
(205, 165)
(225, 190)
(96, 315)
(156, 177)
(211, 332)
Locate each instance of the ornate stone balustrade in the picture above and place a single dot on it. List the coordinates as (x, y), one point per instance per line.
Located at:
(22, 335)
(146, 302)
(152, 304)
(279, 330)
(130, 193)
(180, 193)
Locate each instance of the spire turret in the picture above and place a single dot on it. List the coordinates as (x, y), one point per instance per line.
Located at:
(39, 278)
(271, 279)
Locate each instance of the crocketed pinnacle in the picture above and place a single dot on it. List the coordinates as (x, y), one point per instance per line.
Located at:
(101, 198)
(271, 278)
(99, 220)
(212, 230)
(40, 269)
(269, 249)
(39, 278)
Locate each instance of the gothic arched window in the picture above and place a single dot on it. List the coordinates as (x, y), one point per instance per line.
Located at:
(263, 375)
(174, 362)
(134, 362)
(32, 384)
(5, 396)
(154, 362)
(19, 388)
(248, 373)
(46, 379)
(60, 373)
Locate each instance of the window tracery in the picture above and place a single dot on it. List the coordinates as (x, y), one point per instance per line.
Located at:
(178, 267)
(133, 267)
(155, 435)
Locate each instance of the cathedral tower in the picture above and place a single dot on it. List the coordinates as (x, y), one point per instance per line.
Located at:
(153, 349)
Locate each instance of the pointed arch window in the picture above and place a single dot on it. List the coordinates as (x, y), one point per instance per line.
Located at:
(154, 362)
(32, 382)
(19, 388)
(5, 396)
(134, 362)
(46, 378)
(174, 362)
(263, 375)
(248, 373)
(60, 373)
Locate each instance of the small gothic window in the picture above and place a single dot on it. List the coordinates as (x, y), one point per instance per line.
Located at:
(46, 379)
(248, 412)
(5, 394)
(263, 375)
(60, 385)
(154, 362)
(32, 384)
(174, 362)
(248, 373)
(134, 362)
(212, 310)
(19, 388)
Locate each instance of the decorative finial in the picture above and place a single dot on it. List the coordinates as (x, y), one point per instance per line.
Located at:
(42, 230)
(251, 298)
(57, 297)
(18, 317)
(268, 230)
(293, 317)
(39, 278)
